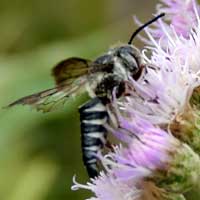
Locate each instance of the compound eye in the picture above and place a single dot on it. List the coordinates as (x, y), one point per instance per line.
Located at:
(134, 65)
(130, 62)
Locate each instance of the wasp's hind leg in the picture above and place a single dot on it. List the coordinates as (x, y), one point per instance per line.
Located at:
(93, 116)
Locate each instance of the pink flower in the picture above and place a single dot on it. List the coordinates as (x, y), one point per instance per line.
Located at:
(150, 154)
(147, 149)
(172, 72)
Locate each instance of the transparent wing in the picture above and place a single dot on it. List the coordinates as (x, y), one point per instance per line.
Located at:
(71, 76)
(53, 98)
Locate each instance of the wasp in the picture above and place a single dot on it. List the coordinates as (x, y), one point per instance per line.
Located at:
(75, 75)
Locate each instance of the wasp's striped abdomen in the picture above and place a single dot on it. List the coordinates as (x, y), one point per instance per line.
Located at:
(93, 116)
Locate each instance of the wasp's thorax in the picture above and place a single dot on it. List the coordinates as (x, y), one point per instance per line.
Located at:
(122, 62)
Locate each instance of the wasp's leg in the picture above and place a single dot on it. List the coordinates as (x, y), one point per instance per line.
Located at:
(93, 116)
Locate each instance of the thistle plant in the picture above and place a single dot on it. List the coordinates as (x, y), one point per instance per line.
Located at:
(158, 123)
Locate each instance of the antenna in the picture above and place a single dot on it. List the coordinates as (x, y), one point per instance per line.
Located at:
(145, 25)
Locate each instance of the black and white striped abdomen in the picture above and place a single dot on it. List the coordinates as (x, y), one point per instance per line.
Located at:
(93, 116)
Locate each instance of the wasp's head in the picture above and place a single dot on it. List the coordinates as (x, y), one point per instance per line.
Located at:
(127, 61)
(122, 61)
(128, 57)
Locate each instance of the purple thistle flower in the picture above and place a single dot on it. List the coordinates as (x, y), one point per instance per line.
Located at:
(152, 154)
(145, 155)
(168, 94)
(177, 82)
(163, 92)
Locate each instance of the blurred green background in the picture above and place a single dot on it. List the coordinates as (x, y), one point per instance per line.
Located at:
(40, 153)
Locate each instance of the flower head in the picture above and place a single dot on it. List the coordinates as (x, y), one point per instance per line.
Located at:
(168, 93)
(152, 153)
(172, 71)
